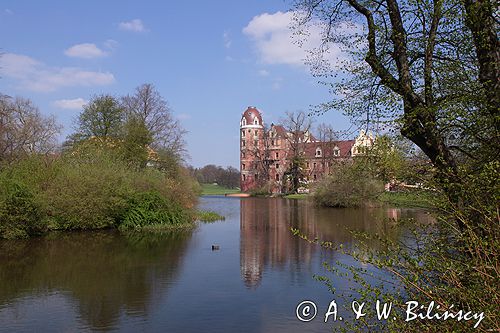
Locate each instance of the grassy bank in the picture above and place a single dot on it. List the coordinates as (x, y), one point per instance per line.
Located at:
(296, 196)
(214, 189)
(417, 199)
(399, 199)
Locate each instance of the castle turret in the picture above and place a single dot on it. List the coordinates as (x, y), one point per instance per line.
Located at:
(251, 143)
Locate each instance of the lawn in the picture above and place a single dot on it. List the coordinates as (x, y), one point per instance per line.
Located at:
(214, 189)
(408, 199)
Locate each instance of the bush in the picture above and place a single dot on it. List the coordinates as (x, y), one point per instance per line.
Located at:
(92, 188)
(150, 208)
(348, 186)
(21, 214)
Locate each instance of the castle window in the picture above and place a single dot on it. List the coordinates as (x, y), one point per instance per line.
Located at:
(336, 152)
(318, 152)
(314, 165)
(277, 166)
(277, 155)
(242, 133)
(307, 165)
(277, 177)
(244, 177)
(242, 154)
(244, 122)
(255, 121)
(314, 176)
(243, 143)
(243, 166)
(273, 142)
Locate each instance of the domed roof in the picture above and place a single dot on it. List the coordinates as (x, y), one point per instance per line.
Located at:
(251, 116)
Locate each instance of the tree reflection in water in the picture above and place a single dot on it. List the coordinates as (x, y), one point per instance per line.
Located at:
(104, 274)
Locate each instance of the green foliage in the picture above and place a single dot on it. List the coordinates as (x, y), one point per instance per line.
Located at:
(101, 117)
(136, 140)
(295, 173)
(349, 185)
(209, 216)
(150, 208)
(91, 187)
(386, 160)
(415, 198)
(20, 211)
(88, 191)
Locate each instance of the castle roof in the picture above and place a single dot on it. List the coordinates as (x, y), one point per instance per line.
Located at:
(251, 114)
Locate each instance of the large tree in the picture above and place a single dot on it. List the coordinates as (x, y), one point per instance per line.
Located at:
(432, 67)
(148, 105)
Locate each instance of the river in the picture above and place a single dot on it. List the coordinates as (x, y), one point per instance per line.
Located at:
(175, 282)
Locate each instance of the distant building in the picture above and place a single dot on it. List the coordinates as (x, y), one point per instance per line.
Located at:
(265, 154)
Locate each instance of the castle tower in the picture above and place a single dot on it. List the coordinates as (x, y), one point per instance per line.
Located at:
(251, 144)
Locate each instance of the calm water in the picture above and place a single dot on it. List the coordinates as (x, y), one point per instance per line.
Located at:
(174, 282)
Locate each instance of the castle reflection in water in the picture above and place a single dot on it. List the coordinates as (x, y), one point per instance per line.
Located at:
(266, 241)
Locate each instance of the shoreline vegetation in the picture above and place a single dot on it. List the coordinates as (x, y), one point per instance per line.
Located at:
(407, 199)
(122, 168)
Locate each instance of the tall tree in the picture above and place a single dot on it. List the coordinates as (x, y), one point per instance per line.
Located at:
(148, 105)
(433, 68)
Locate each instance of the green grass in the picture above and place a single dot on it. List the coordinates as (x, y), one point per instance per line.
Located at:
(418, 199)
(213, 189)
(296, 196)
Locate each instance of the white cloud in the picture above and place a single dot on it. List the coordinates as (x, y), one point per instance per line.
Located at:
(70, 104)
(227, 39)
(86, 51)
(275, 42)
(111, 44)
(133, 25)
(36, 76)
(263, 72)
(9, 12)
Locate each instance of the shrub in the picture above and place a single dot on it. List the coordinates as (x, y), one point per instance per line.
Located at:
(21, 214)
(150, 208)
(209, 216)
(347, 186)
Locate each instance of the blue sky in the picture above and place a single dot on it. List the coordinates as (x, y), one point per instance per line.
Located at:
(208, 59)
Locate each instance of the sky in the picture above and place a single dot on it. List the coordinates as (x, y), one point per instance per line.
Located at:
(209, 59)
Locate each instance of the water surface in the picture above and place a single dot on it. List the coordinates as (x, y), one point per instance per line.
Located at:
(174, 282)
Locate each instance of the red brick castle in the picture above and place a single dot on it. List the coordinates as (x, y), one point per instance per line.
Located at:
(265, 153)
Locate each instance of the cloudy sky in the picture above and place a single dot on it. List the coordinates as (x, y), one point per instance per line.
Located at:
(209, 60)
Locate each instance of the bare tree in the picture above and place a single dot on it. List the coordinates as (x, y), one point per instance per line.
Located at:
(327, 138)
(298, 126)
(24, 130)
(147, 104)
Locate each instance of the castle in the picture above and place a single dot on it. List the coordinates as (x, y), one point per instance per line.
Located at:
(266, 153)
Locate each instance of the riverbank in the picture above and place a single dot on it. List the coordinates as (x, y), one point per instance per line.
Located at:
(414, 199)
(214, 189)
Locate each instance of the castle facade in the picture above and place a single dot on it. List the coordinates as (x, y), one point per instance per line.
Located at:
(266, 153)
